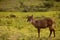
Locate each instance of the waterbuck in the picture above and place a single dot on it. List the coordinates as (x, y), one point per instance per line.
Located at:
(41, 24)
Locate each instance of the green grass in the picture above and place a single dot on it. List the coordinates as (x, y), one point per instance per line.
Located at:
(19, 29)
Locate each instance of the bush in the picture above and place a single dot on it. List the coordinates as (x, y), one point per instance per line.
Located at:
(48, 4)
(12, 15)
(57, 0)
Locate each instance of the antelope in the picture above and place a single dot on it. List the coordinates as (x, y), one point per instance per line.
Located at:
(42, 24)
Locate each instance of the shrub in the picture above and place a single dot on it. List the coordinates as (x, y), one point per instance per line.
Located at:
(57, 0)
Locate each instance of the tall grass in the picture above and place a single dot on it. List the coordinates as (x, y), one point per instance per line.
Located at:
(19, 29)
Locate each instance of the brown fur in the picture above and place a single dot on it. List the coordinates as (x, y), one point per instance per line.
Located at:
(43, 23)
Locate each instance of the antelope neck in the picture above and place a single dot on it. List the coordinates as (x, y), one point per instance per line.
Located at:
(32, 21)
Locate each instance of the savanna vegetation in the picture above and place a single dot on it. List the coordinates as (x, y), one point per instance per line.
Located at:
(14, 26)
(13, 21)
(29, 5)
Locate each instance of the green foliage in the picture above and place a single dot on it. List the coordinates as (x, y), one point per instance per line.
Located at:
(57, 0)
(28, 5)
